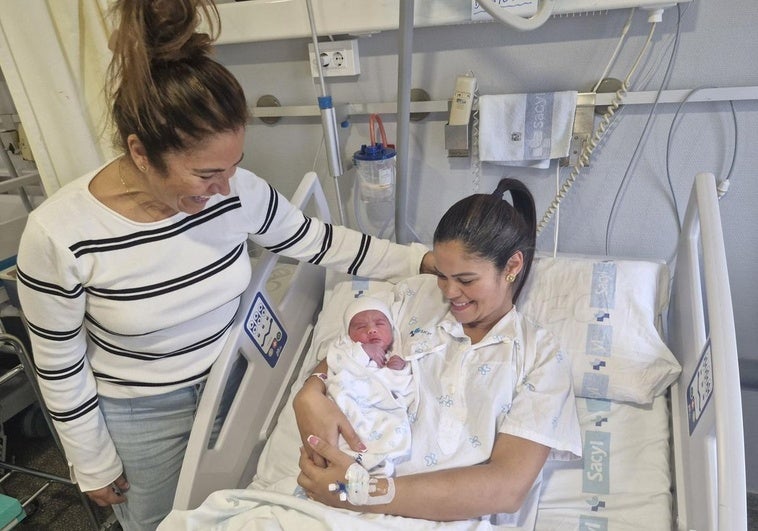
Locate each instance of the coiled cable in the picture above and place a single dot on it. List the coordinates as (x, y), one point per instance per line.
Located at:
(597, 136)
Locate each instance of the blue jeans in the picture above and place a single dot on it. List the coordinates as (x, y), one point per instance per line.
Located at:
(150, 435)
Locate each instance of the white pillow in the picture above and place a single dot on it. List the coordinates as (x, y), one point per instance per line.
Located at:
(604, 314)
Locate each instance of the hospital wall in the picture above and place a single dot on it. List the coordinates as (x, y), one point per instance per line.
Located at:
(627, 175)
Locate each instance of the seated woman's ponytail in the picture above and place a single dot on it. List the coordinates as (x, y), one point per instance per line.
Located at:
(490, 227)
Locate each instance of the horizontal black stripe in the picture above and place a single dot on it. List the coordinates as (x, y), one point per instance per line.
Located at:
(52, 335)
(273, 206)
(362, 252)
(174, 284)
(148, 236)
(326, 244)
(48, 287)
(61, 374)
(118, 381)
(301, 232)
(97, 324)
(68, 416)
(149, 356)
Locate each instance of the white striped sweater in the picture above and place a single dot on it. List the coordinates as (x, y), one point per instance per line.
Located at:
(127, 309)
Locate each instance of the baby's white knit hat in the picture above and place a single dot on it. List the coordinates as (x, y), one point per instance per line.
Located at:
(361, 304)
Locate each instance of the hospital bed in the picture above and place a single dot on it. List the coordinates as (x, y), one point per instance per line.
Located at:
(663, 448)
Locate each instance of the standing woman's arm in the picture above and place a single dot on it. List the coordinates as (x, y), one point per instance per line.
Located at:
(53, 301)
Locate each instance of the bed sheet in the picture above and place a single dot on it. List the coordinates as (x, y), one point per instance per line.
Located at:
(623, 481)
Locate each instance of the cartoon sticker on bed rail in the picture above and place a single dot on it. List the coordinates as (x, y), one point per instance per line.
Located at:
(266, 332)
(701, 387)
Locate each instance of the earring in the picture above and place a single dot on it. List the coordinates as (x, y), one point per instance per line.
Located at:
(510, 277)
(143, 168)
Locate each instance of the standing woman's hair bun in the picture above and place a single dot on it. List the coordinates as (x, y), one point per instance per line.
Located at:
(171, 29)
(151, 32)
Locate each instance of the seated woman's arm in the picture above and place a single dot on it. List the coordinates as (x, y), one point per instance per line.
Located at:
(318, 415)
(499, 485)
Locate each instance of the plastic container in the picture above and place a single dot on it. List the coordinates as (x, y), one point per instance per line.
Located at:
(376, 166)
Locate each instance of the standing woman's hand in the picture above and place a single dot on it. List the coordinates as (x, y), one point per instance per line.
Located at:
(111, 494)
(427, 264)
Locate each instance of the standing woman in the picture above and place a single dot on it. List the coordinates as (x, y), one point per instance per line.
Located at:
(130, 276)
(495, 397)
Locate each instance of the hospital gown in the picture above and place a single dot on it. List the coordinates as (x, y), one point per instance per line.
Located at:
(515, 380)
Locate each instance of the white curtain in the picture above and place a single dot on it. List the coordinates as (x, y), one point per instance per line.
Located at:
(53, 55)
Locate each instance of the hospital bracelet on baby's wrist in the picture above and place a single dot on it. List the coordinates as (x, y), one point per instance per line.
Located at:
(320, 375)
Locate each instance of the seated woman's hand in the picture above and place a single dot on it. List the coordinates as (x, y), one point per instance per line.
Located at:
(316, 479)
(316, 414)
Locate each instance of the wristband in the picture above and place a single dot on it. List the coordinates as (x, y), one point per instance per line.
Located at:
(320, 375)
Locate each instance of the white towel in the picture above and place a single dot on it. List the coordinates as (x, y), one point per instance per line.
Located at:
(526, 129)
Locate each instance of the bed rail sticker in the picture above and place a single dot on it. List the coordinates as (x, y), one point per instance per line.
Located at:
(701, 387)
(265, 330)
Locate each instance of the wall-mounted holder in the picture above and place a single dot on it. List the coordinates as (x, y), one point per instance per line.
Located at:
(457, 140)
(268, 100)
(419, 94)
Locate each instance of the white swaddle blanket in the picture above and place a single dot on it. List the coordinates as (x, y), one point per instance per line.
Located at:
(375, 401)
(526, 129)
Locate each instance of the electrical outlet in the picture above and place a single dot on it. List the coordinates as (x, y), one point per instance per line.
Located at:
(338, 58)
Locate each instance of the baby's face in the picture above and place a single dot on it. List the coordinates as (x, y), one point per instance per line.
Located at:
(371, 326)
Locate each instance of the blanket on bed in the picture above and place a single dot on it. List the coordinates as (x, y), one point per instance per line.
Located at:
(266, 510)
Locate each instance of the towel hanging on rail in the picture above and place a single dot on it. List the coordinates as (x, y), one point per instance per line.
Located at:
(525, 129)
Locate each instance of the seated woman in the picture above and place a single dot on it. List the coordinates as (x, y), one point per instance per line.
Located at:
(495, 394)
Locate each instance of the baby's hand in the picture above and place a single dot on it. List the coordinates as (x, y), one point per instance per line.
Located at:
(375, 352)
(396, 362)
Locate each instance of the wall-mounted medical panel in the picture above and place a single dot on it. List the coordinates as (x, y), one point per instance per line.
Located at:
(267, 20)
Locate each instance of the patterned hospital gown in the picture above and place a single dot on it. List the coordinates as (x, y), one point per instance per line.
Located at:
(515, 380)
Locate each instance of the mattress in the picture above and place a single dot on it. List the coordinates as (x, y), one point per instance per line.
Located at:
(622, 482)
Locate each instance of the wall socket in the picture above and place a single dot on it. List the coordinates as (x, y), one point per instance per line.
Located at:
(338, 58)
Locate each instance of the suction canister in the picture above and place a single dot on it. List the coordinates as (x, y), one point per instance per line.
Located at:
(376, 166)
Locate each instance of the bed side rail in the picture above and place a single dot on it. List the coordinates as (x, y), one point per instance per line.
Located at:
(709, 455)
(251, 378)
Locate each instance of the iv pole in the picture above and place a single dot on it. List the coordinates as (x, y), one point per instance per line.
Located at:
(328, 120)
(403, 233)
